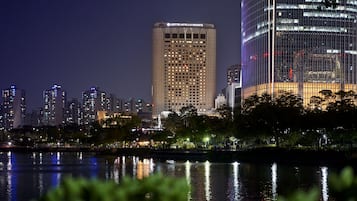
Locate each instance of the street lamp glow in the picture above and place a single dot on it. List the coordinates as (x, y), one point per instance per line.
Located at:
(206, 139)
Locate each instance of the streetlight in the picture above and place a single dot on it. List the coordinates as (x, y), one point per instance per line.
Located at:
(206, 141)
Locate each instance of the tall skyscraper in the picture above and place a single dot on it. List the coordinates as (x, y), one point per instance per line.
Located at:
(298, 46)
(54, 106)
(184, 66)
(13, 107)
(94, 100)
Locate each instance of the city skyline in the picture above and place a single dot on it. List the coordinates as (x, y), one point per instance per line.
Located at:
(83, 44)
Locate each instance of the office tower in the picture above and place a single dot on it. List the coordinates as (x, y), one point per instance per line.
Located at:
(298, 46)
(234, 86)
(54, 106)
(234, 74)
(184, 66)
(220, 101)
(74, 112)
(94, 100)
(13, 107)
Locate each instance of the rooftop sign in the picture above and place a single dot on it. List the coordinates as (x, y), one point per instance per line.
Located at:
(183, 25)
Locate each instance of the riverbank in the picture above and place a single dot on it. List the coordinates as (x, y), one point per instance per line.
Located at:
(260, 155)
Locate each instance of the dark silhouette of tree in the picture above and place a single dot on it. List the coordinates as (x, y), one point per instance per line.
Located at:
(187, 113)
(173, 123)
(267, 116)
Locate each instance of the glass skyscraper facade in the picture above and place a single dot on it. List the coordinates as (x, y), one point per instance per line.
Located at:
(298, 46)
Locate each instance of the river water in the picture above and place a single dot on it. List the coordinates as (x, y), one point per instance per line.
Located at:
(26, 176)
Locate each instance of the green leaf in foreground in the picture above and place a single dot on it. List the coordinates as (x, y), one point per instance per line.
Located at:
(152, 188)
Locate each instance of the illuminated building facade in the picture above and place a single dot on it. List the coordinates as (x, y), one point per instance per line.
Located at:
(74, 112)
(234, 86)
(234, 74)
(2, 126)
(94, 100)
(184, 66)
(298, 46)
(54, 106)
(13, 108)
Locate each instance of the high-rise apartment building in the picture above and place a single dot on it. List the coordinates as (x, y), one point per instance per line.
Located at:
(184, 66)
(94, 100)
(33, 118)
(13, 107)
(116, 104)
(298, 46)
(73, 112)
(2, 125)
(54, 106)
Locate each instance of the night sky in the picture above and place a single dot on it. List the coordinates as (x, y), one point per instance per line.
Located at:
(106, 43)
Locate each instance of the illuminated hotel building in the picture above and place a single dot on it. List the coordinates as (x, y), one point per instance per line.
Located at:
(184, 66)
(54, 106)
(298, 46)
(14, 107)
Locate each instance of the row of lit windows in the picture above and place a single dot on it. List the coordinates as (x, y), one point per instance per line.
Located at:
(168, 46)
(311, 28)
(167, 42)
(184, 61)
(187, 35)
(179, 60)
(188, 76)
(185, 51)
(193, 102)
(186, 55)
(328, 15)
(180, 69)
(296, 28)
(180, 63)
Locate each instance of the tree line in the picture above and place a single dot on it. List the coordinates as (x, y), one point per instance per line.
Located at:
(329, 120)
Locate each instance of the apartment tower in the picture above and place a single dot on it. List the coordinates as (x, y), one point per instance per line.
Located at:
(54, 106)
(14, 107)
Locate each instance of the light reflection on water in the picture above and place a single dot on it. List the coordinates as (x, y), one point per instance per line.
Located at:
(188, 176)
(274, 177)
(324, 176)
(209, 181)
(235, 181)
